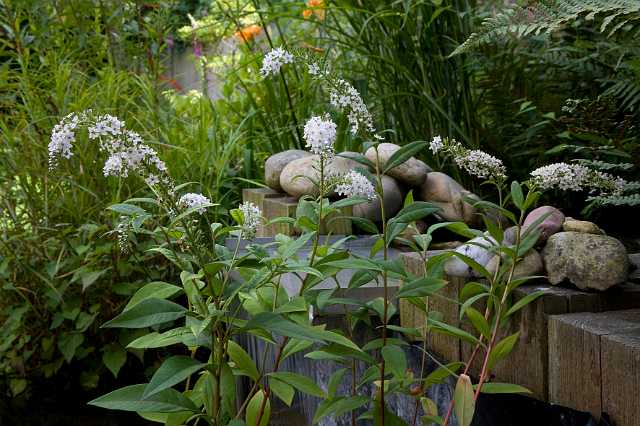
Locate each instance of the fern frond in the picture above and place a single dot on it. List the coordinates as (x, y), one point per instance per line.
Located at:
(606, 166)
(616, 200)
(546, 16)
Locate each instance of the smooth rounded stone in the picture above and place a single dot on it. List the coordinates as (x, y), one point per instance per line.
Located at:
(411, 231)
(531, 264)
(510, 235)
(476, 249)
(393, 200)
(276, 163)
(587, 260)
(446, 245)
(412, 172)
(297, 177)
(549, 226)
(573, 225)
(443, 191)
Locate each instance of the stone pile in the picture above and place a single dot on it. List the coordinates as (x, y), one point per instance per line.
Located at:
(292, 172)
(567, 249)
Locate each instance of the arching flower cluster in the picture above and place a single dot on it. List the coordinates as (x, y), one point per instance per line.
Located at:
(274, 60)
(345, 97)
(125, 149)
(475, 162)
(320, 136)
(355, 184)
(194, 200)
(577, 177)
(252, 218)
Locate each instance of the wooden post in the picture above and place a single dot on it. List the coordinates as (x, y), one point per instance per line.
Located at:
(279, 207)
(583, 366)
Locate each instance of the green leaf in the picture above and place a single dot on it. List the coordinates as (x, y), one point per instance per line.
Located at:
(421, 287)
(130, 399)
(334, 382)
(502, 349)
(244, 365)
(450, 330)
(464, 404)
(351, 201)
(524, 302)
(439, 374)
(127, 209)
(415, 211)
(356, 263)
(253, 410)
(479, 322)
(114, 357)
(516, 195)
(300, 382)
(156, 289)
(364, 224)
(68, 343)
(395, 360)
(503, 388)
(147, 313)
(283, 390)
(171, 372)
(403, 154)
(339, 406)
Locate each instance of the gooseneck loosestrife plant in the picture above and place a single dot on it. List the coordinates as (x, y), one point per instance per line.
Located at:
(226, 292)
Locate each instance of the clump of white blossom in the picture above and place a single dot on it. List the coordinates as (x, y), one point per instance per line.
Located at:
(320, 136)
(126, 151)
(194, 200)
(355, 184)
(476, 162)
(577, 177)
(252, 216)
(274, 60)
(345, 97)
(122, 230)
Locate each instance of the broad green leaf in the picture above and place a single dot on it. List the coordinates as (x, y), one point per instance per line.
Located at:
(464, 404)
(421, 287)
(502, 349)
(415, 211)
(156, 289)
(516, 195)
(172, 371)
(524, 302)
(300, 382)
(114, 357)
(403, 154)
(130, 399)
(395, 360)
(364, 224)
(147, 313)
(282, 390)
(479, 322)
(293, 346)
(127, 209)
(253, 413)
(244, 365)
(334, 382)
(439, 374)
(339, 406)
(444, 328)
(68, 343)
(503, 388)
(351, 201)
(356, 263)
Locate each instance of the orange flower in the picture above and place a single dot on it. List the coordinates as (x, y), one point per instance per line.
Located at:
(316, 7)
(248, 32)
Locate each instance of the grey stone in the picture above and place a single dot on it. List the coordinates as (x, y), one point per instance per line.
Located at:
(298, 176)
(573, 225)
(634, 260)
(478, 250)
(549, 226)
(412, 172)
(443, 191)
(531, 264)
(393, 199)
(587, 260)
(276, 163)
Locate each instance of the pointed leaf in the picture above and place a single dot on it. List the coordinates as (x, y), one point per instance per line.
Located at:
(464, 405)
(173, 371)
(130, 399)
(147, 313)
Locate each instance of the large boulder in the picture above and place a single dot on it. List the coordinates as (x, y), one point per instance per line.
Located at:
(589, 261)
(298, 176)
(478, 250)
(573, 225)
(443, 191)
(551, 224)
(530, 265)
(277, 162)
(412, 172)
(393, 200)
